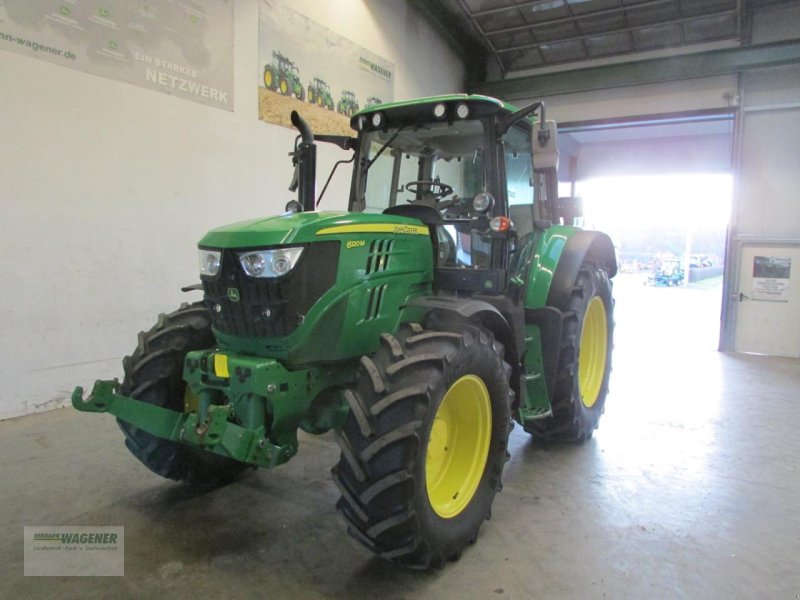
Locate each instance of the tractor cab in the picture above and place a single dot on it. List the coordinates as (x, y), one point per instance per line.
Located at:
(465, 167)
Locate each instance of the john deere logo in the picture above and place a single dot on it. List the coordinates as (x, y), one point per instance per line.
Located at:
(233, 294)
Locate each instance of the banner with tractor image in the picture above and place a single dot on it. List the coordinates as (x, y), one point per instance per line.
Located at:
(306, 67)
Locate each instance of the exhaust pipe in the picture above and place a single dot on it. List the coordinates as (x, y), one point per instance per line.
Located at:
(304, 159)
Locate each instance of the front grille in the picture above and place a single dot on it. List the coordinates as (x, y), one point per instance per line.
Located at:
(269, 307)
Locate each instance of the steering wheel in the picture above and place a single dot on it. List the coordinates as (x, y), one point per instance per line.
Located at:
(442, 189)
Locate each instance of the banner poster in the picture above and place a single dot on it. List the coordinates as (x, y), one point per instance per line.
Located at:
(771, 278)
(180, 47)
(306, 67)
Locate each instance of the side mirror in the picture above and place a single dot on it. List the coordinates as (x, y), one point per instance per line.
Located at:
(545, 146)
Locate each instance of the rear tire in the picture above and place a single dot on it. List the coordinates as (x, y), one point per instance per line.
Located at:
(154, 374)
(587, 339)
(411, 492)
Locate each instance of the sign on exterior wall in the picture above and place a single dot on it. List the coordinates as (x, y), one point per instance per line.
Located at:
(306, 67)
(181, 47)
(771, 278)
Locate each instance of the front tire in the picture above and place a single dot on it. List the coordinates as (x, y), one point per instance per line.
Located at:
(154, 374)
(424, 446)
(584, 367)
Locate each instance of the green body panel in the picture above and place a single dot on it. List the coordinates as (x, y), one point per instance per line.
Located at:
(260, 390)
(538, 258)
(546, 250)
(291, 228)
(384, 261)
(535, 401)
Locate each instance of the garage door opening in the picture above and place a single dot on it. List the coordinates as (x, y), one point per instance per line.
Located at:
(669, 232)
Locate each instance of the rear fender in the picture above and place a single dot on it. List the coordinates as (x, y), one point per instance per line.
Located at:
(584, 245)
(558, 256)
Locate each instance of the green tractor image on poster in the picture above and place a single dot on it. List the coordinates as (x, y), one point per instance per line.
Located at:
(453, 298)
(347, 105)
(373, 101)
(320, 94)
(283, 76)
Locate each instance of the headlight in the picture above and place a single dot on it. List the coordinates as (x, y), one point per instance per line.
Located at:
(270, 263)
(209, 261)
(482, 202)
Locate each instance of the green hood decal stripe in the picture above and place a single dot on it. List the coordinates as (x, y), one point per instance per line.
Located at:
(375, 228)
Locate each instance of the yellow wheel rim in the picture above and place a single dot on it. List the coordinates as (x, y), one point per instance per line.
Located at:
(593, 352)
(458, 446)
(268, 79)
(284, 87)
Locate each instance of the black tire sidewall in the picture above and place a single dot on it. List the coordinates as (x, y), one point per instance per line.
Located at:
(599, 287)
(450, 534)
(154, 375)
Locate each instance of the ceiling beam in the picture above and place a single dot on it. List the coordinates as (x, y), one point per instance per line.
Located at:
(653, 25)
(624, 9)
(655, 70)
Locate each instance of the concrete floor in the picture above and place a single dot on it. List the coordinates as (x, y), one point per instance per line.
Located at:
(689, 489)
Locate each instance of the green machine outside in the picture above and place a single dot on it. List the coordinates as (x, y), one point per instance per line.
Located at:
(454, 297)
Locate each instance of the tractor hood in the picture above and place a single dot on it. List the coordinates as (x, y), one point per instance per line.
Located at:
(302, 228)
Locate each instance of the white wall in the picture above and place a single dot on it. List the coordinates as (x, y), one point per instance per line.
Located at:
(105, 189)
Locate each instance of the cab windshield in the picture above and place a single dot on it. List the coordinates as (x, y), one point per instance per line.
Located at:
(435, 164)
(440, 165)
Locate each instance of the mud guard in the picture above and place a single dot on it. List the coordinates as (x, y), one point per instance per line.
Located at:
(507, 328)
(594, 245)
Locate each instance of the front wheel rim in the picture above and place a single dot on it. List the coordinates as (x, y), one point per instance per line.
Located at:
(458, 446)
(593, 352)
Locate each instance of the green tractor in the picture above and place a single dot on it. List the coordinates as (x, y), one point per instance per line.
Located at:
(347, 105)
(283, 76)
(373, 101)
(320, 94)
(452, 298)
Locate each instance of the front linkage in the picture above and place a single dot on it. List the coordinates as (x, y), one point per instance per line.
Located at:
(258, 391)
